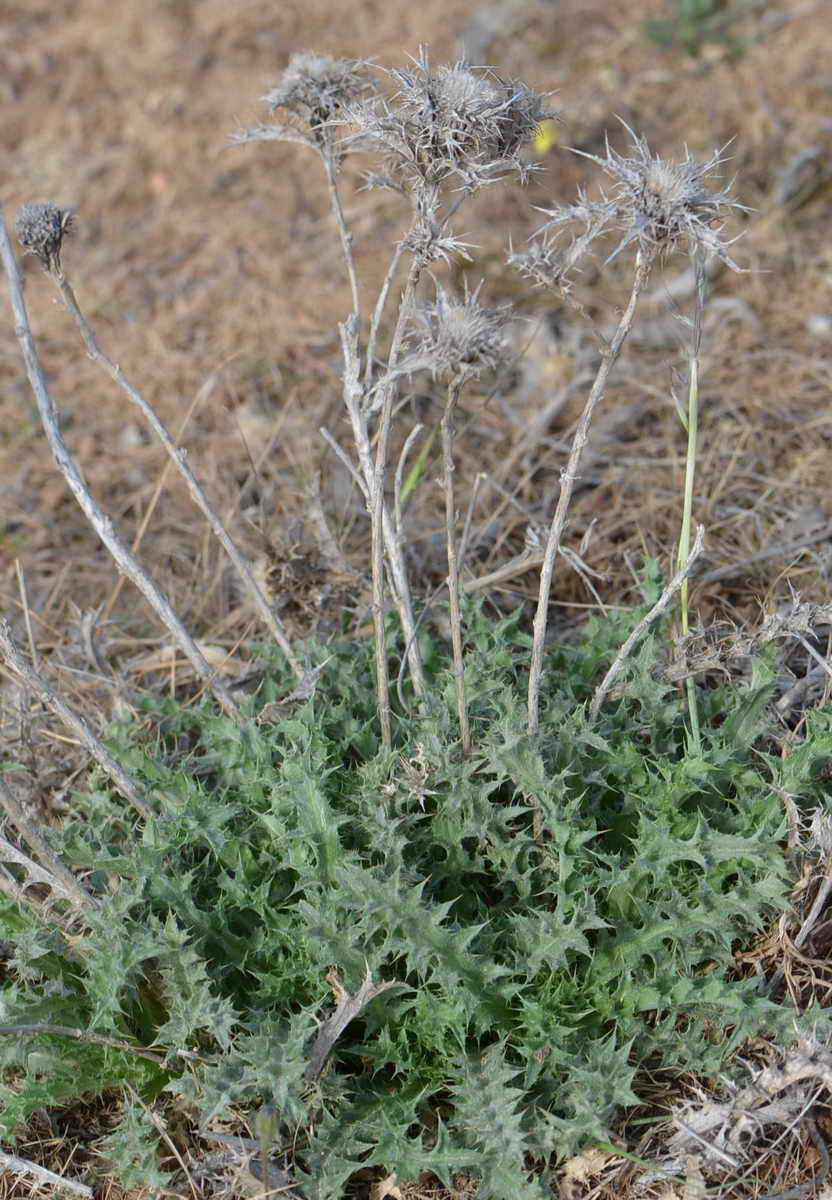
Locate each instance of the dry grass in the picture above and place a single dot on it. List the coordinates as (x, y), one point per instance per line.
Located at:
(214, 272)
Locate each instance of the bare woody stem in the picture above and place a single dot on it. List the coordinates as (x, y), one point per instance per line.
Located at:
(129, 789)
(611, 352)
(101, 523)
(384, 536)
(448, 431)
(40, 847)
(177, 456)
(353, 394)
(378, 312)
(344, 233)
(378, 506)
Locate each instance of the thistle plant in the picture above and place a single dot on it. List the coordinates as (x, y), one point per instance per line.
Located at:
(656, 205)
(432, 961)
(440, 137)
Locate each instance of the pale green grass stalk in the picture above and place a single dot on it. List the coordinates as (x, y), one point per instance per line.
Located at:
(691, 425)
(454, 388)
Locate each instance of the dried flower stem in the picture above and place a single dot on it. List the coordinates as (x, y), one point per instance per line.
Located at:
(47, 856)
(101, 523)
(611, 351)
(129, 789)
(331, 168)
(378, 507)
(448, 431)
(378, 312)
(353, 394)
(177, 457)
(663, 602)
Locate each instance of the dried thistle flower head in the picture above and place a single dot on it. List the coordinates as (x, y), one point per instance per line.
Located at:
(455, 121)
(660, 203)
(312, 95)
(40, 229)
(316, 87)
(459, 337)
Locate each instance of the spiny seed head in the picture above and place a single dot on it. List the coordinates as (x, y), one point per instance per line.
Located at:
(541, 263)
(316, 87)
(460, 336)
(550, 258)
(452, 121)
(560, 246)
(40, 229)
(659, 203)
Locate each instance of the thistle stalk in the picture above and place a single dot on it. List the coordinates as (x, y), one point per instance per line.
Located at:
(378, 509)
(177, 457)
(644, 260)
(101, 523)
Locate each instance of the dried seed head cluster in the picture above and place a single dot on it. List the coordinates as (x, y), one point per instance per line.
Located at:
(452, 122)
(459, 337)
(311, 96)
(549, 261)
(316, 88)
(40, 229)
(660, 203)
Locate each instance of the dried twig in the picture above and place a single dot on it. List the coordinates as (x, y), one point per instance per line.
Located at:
(129, 789)
(101, 523)
(177, 457)
(21, 1166)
